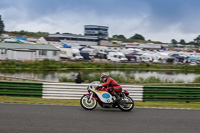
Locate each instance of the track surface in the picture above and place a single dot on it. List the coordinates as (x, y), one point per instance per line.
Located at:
(29, 118)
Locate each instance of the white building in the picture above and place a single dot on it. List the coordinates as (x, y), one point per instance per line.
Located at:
(16, 51)
(5, 36)
(150, 46)
(74, 40)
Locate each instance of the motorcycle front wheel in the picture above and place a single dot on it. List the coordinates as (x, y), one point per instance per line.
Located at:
(86, 104)
(126, 107)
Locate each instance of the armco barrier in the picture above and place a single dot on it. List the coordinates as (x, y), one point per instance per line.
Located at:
(75, 91)
(20, 89)
(171, 93)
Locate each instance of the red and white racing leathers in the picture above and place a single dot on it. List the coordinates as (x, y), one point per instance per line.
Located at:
(112, 86)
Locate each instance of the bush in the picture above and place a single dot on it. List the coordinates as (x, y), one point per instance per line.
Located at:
(197, 80)
(55, 65)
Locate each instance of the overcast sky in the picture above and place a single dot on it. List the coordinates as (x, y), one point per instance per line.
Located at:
(158, 20)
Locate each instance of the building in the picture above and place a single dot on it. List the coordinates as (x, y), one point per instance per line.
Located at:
(92, 37)
(150, 46)
(131, 45)
(17, 51)
(5, 36)
(74, 40)
(147, 46)
(94, 30)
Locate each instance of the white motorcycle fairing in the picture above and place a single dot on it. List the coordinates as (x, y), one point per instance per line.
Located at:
(89, 101)
(105, 97)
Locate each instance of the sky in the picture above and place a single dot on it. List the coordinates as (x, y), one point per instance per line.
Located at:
(157, 20)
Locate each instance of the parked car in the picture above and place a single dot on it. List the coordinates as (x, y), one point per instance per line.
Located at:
(178, 57)
(193, 63)
(101, 55)
(70, 53)
(85, 55)
(131, 58)
(144, 58)
(116, 57)
(91, 51)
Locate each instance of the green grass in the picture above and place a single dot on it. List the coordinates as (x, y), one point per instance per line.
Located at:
(7, 99)
(120, 79)
(58, 65)
(191, 105)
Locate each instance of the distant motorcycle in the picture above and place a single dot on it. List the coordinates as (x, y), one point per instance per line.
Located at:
(106, 100)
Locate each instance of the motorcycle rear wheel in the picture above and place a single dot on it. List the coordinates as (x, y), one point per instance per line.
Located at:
(86, 104)
(127, 107)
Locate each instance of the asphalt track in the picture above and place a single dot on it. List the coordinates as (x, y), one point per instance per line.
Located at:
(30, 118)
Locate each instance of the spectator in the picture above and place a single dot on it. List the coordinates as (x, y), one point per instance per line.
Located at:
(78, 78)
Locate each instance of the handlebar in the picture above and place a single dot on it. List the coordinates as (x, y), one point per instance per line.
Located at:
(98, 87)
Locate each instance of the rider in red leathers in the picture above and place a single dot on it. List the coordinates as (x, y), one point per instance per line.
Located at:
(112, 86)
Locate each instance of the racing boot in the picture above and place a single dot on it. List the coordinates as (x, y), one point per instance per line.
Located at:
(117, 98)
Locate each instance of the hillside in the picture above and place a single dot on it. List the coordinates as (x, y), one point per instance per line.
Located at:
(26, 33)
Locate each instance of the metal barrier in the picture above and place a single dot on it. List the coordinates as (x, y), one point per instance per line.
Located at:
(75, 91)
(58, 90)
(171, 93)
(20, 89)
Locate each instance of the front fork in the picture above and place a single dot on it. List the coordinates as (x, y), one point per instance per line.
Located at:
(124, 97)
(89, 100)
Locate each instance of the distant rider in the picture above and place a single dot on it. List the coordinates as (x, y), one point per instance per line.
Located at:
(112, 86)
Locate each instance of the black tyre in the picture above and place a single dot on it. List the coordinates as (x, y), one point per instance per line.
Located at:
(86, 104)
(126, 107)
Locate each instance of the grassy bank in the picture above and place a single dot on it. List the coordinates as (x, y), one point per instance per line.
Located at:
(50, 66)
(6, 99)
(128, 79)
(55, 65)
(120, 79)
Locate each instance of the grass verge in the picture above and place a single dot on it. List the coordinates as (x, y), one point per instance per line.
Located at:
(7, 99)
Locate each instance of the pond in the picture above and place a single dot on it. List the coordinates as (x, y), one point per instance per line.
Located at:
(54, 76)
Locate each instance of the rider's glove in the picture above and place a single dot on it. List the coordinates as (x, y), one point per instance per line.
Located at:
(99, 86)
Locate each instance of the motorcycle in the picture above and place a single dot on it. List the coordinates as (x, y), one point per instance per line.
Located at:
(105, 99)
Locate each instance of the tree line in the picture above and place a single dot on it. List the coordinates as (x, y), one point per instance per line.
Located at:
(31, 34)
(139, 38)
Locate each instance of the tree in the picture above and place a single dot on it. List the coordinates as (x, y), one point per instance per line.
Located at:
(121, 37)
(1, 25)
(118, 37)
(22, 32)
(191, 43)
(182, 41)
(137, 37)
(115, 36)
(197, 40)
(174, 41)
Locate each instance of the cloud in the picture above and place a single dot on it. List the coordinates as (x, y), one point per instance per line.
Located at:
(154, 19)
